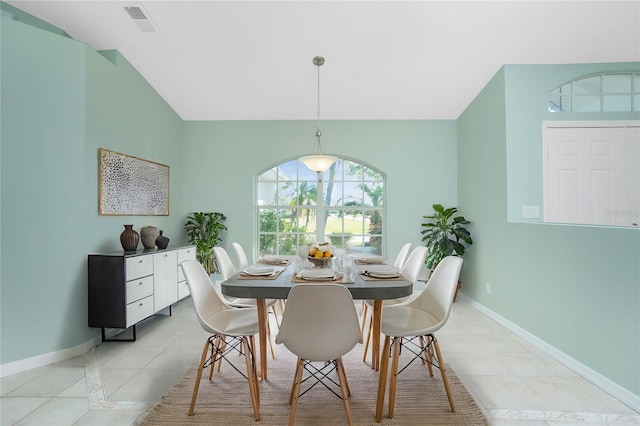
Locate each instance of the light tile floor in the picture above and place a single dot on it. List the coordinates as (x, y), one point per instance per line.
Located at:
(115, 382)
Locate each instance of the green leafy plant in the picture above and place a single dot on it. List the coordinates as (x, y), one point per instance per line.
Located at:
(204, 230)
(445, 234)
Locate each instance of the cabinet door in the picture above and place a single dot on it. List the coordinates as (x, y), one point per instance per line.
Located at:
(184, 254)
(165, 279)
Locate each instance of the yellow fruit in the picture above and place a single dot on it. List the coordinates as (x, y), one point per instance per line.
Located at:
(313, 252)
(327, 253)
(318, 255)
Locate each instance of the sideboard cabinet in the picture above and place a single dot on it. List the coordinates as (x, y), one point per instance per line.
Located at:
(128, 287)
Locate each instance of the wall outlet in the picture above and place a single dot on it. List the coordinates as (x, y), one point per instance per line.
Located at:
(487, 288)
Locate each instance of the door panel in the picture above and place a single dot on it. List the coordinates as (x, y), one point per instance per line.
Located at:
(592, 175)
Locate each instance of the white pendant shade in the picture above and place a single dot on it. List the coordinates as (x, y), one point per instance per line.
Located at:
(318, 163)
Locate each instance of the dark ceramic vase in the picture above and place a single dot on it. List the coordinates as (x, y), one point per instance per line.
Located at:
(162, 242)
(129, 238)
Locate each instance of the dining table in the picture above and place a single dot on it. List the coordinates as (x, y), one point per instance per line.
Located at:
(278, 284)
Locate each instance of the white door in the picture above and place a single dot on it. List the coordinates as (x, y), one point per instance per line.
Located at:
(592, 174)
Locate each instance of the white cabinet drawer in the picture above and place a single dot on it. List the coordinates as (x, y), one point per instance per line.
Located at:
(138, 266)
(184, 254)
(139, 310)
(139, 288)
(183, 290)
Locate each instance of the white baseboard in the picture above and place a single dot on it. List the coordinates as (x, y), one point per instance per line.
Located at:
(623, 395)
(14, 367)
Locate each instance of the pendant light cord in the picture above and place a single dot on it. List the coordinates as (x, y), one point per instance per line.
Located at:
(318, 133)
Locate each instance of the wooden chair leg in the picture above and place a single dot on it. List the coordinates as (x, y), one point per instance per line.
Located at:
(293, 384)
(196, 386)
(253, 389)
(444, 374)
(221, 347)
(393, 382)
(365, 308)
(273, 354)
(429, 353)
(382, 379)
(344, 388)
(296, 391)
(346, 382)
(366, 345)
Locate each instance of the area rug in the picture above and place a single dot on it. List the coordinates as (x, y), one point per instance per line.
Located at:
(420, 399)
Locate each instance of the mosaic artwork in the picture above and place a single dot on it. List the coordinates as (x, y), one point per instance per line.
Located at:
(132, 186)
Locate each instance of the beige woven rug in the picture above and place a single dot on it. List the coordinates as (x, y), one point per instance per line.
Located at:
(420, 400)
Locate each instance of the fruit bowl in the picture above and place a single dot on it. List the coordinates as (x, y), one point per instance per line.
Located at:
(321, 262)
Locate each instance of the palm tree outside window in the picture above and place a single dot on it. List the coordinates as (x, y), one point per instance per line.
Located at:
(343, 206)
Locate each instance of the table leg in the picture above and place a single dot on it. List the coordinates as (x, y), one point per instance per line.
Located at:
(262, 334)
(375, 341)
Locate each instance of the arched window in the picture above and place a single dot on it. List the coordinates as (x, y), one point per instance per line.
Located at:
(343, 206)
(608, 92)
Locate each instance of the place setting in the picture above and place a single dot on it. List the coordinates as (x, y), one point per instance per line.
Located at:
(380, 272)
(274, 260)
(259, 272)
(316, 275)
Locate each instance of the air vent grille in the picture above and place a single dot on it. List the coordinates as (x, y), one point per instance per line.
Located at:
(135, 12)
(141, 18)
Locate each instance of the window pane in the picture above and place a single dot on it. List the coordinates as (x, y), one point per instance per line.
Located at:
(305, 173)
(636, 103)
(352, 171)
(268, 220)
(566, 89)
(286, 193)
(269, 175)
(636, 83)
(288, 171)
(586, 103)
(587, 86)
(613, 83)
(372, 175)
(306, 195)
(267, 193)
(333, 229)
(333, 194)
(353, 195)
(267, 244)
(373, 194)
(616, 103)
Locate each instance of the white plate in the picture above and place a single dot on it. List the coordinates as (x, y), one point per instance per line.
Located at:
(383, 275)
(274, 260)
(371, 260)
(258, 270)
(317, 273)
(381, 269)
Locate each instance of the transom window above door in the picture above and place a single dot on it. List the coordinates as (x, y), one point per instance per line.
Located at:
(299, 207)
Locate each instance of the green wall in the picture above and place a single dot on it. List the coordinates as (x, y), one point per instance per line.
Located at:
(61, 101)
(418, 157)
(574, 287)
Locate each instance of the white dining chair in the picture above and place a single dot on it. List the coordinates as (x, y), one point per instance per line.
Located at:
(410, 271)
(316, 334)
(241, 256)
(225, 267)
(223, 323)
(401, 258)
(418, 319)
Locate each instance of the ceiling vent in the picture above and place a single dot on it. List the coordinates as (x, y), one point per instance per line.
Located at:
(141, 18)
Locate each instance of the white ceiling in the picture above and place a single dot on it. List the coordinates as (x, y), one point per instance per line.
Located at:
(241, 60)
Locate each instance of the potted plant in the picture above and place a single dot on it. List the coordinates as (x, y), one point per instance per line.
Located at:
(444, 235)
(204, 230)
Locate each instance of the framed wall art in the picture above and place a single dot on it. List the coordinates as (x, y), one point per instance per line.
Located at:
(132, 186)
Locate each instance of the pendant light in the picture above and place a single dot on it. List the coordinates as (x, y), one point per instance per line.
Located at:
(318, 162)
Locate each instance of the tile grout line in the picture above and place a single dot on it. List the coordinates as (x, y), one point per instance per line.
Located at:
(575, 417)
(95, 388)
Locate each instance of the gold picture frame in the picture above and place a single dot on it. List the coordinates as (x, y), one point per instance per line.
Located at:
(132, 186)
